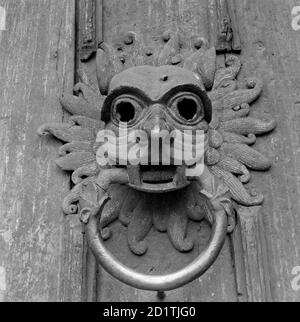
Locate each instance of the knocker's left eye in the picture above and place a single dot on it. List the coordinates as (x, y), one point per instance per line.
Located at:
(188, 107)
(126, 109)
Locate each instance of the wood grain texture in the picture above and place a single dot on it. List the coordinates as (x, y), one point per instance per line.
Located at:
(151, 18)
(40, 249)
(223, 25)
(271, 50)
(89, 26)
(250, 253)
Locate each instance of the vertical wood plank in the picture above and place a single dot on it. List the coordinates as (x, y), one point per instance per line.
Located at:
(151, 18)
(249, 245)
(271, 50)
(223, 26)
(40, 248)
(90, 27)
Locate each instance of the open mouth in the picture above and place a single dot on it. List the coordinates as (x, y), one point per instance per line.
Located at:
(157, 179)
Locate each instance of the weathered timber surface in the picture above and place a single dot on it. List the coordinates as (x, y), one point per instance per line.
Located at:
(271, 50)
(250, 254)
(40, 249)
(150, 19)
(223, 25)
(89, 27)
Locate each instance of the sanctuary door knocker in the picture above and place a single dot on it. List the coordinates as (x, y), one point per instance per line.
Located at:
(174, 88)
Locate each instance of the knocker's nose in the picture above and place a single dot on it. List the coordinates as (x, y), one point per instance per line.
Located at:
(156, 123)
(155, 128)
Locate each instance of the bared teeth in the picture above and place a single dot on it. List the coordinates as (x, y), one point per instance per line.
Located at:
(157, 175)
(134, 173)
(139, 175)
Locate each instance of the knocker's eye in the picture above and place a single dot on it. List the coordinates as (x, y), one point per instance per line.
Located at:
(188, 107)
(126, 109)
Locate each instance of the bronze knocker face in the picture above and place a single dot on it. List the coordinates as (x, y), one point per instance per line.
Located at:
(158, 101)
(180, 88)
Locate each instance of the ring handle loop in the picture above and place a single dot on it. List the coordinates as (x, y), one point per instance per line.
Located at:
(159, 282)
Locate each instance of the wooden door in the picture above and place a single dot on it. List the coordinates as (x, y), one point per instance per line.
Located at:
(40, 248)
(43, 254)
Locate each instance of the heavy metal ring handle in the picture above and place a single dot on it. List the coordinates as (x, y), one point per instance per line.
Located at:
(160, 282)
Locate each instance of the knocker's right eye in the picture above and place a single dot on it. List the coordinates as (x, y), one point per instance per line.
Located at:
(126, 109)
(187, 107)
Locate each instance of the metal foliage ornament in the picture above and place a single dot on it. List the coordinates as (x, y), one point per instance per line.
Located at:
(176, 85)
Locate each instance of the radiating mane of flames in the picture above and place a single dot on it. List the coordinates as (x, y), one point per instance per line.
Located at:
(228, 158)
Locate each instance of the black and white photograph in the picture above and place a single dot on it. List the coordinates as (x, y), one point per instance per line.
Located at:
(150, 154)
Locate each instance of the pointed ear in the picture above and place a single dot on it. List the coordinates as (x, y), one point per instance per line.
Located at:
(108, 65)
(170, 50)
(207, 67)
(203, 62)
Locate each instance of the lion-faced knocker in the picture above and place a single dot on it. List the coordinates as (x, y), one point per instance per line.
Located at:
(176, 87)
(153, 102)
